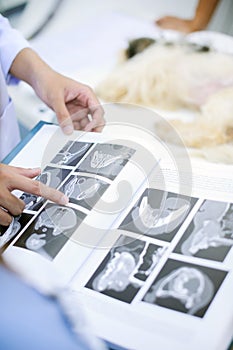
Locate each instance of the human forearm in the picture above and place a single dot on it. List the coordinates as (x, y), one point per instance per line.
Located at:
(203, 14)
(29, 67)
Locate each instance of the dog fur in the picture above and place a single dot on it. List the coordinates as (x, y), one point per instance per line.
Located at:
(172, 77)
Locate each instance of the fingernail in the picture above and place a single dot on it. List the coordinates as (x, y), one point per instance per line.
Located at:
(68, 129)
(64, 200)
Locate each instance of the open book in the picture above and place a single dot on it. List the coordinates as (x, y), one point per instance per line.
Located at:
(153, 266)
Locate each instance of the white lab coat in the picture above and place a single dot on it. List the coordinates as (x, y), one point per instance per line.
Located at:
(11, 43)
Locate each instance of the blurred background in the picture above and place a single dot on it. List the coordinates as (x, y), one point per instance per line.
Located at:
(82, 39)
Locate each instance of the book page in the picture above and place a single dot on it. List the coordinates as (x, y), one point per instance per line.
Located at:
(164, 276)
(151, 255)
(94, 171)
(167, 276)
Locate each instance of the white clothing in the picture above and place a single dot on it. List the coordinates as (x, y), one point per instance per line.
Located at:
(11, 43)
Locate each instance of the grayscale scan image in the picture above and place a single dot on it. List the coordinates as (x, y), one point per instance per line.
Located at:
(158, 214)
(50, 230)
(84, 190)
(125, 268)
(184, 287)
(210, 234)
(32, 202)
(71, 153)
(106, 160)
(7, 233)
(53, 177)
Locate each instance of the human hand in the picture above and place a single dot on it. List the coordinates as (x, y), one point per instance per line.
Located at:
(75, 104)
(12, 178)
(175, 23)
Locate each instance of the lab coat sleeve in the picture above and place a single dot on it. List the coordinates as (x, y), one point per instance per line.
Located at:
(11, 43)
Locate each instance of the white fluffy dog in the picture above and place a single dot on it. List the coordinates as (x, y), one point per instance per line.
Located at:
(178, 76)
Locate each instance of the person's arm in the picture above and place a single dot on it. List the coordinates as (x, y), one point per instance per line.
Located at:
(74, 103)
(203, 14)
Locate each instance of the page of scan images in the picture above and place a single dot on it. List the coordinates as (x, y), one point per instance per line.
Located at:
(100, 175)
(158, 263)
(166, 276)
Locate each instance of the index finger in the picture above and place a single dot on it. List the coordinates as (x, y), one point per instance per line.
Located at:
(53, 194)
(39, 189)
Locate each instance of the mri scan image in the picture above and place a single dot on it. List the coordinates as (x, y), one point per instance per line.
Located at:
(126, 268)
(84, 190)
(50, 230)
(158, 214)
(7, 233)
(184, 287)
(106, 160)
(210, 234)
(71, 153)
